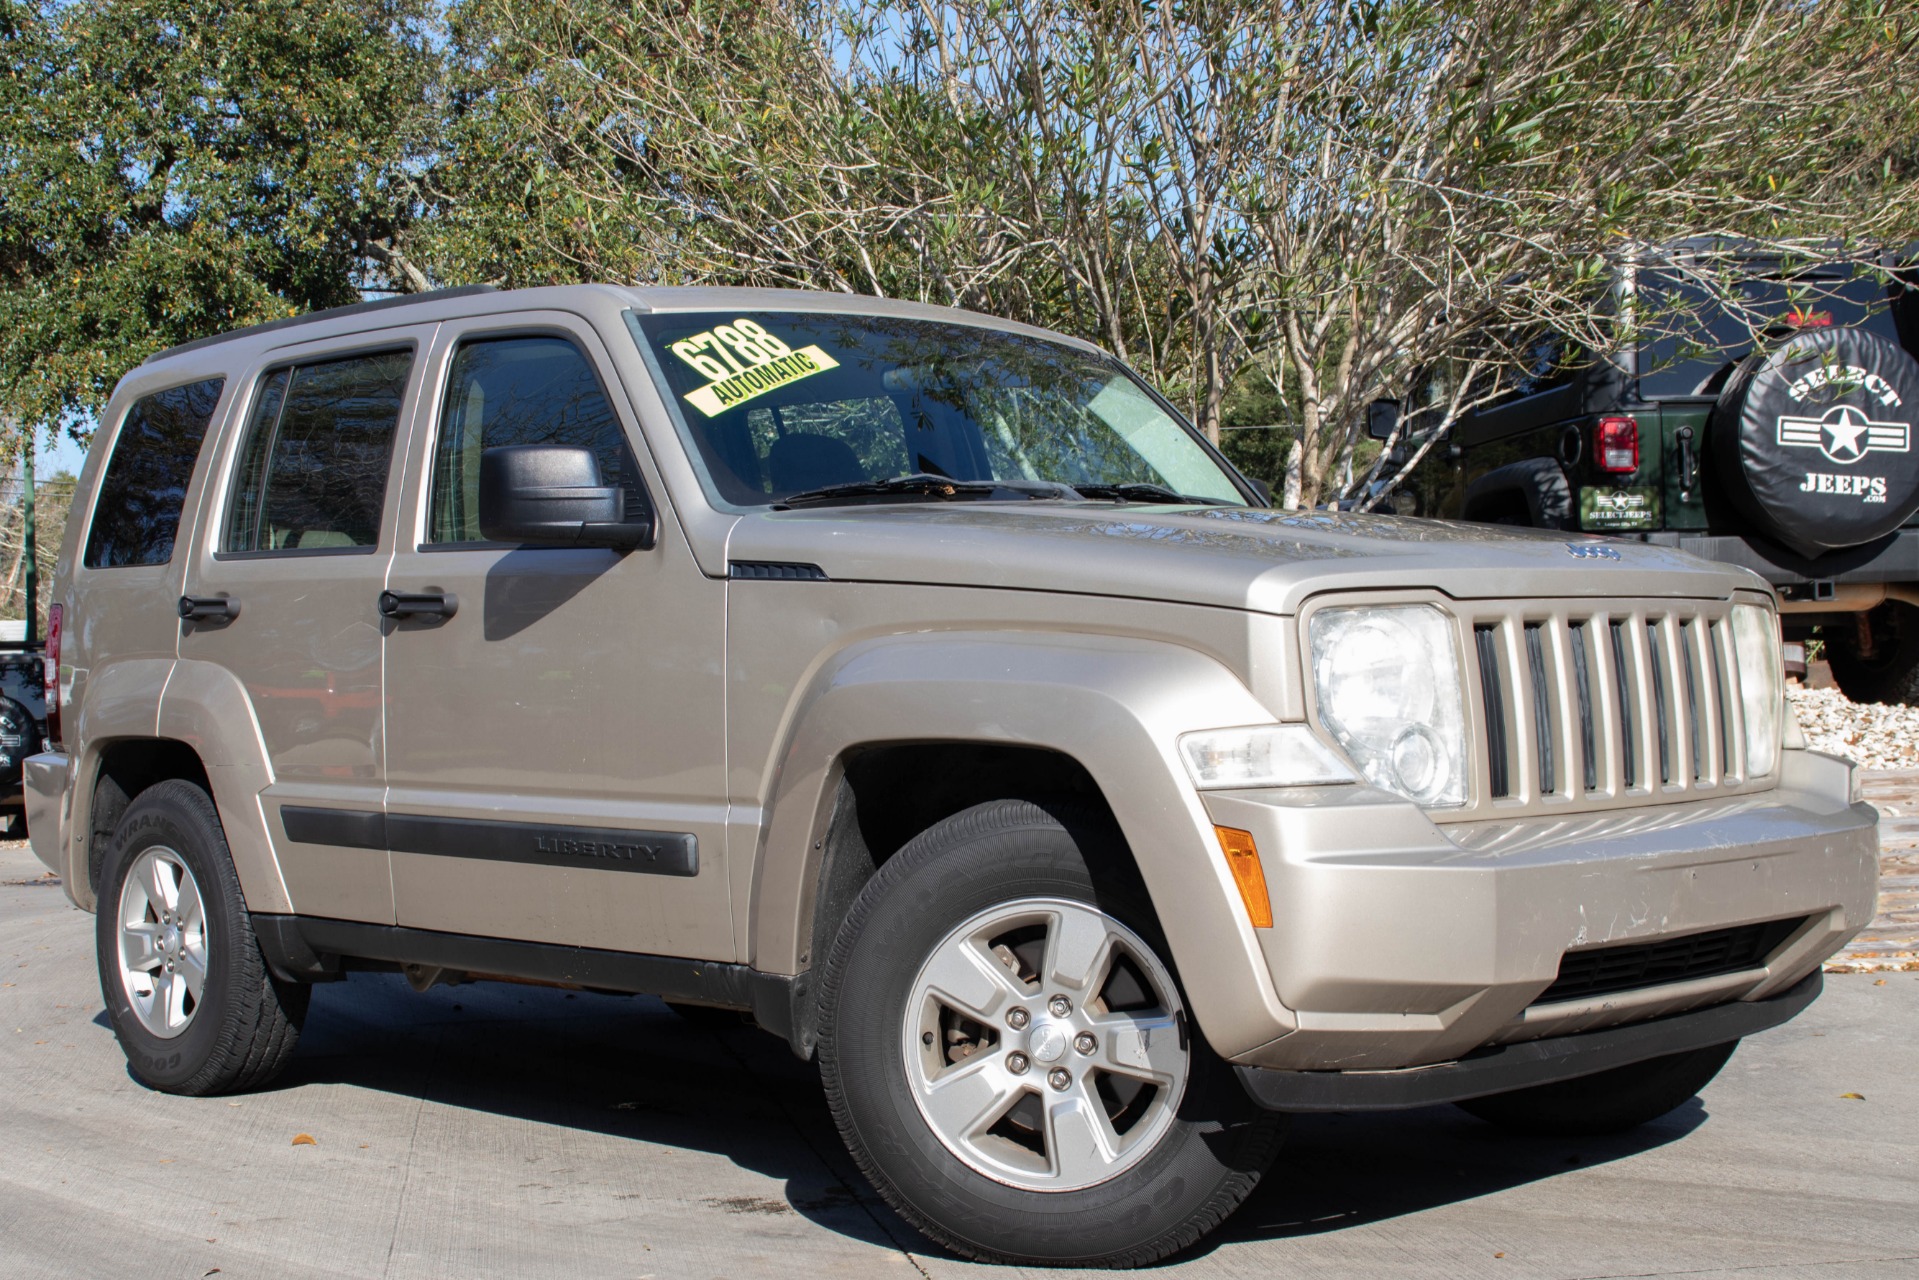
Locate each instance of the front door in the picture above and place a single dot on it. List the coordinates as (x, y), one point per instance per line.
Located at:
(555, 724)
(287, 583)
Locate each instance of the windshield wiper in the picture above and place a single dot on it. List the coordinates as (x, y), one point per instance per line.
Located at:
(920, 483)
(1139, 491)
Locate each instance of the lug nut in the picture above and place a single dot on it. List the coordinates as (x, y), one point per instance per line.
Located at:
(1017, 1018)
(1084, 1042)
(1059, 1078)
(1016, 1063)
(1060, 1006)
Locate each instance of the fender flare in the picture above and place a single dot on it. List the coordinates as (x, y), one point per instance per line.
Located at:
(119, 704)
(1114, 704)
(206, 707)
(1540, 484)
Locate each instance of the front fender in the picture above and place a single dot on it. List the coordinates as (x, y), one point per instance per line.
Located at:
(1114, 704)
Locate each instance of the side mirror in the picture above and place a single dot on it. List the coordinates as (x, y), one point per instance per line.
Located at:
(551, 496)
(1382, 419)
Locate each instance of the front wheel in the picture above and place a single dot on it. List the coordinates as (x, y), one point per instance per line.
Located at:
(1009, 1058)
(1608, 1101)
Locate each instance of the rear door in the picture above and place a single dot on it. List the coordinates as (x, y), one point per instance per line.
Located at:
(287, 574)
(555, 723)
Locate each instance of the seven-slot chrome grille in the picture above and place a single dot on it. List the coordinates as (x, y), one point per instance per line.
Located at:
(1599, 704)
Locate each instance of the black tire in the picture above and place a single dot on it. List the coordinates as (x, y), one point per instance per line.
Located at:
(241, 1029)
(1608, 1102)
(1208, 1152)
(19, 738)
(1891, 673)
(1814, 461)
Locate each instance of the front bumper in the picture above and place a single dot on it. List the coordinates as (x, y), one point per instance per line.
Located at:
(1502, 1068)
(1399, 942)
(1893, 558)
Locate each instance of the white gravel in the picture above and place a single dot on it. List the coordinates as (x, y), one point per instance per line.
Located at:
(1876, 735)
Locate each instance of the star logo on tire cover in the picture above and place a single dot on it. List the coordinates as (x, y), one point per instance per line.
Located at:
(1845, 434)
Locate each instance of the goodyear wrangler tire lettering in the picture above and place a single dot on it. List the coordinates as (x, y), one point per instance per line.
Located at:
(1818, 443)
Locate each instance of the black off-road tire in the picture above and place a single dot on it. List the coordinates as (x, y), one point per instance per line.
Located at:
(1608, 1102)
(244, 1027)
(1211, 1154)
(1891, 674)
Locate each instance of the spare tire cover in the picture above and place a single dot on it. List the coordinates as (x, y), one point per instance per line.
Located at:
(1818, 442)
(19, 738)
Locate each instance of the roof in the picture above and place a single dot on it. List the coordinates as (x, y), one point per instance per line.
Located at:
(354, 309)
(640, 298)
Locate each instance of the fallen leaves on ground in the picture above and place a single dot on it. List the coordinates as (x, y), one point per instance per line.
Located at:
(305, 1140)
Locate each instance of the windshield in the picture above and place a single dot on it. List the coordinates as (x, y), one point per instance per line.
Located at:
(782, 403)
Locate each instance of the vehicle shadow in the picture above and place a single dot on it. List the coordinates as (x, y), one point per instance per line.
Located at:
(1341, 1171)
(622, 1066)
(629, 1067)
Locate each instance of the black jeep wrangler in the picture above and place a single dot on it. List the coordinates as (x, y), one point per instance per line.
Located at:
(1794, 456)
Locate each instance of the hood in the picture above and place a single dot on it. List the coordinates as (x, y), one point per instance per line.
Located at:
(1233, 557)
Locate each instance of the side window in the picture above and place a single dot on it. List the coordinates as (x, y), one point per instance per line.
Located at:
(313, 472)
(525, 390)
(137, 514)
(1549, 360)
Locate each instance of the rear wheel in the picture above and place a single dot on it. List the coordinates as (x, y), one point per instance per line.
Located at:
(1009, 1058)
(186, 989)
(1609, 1101)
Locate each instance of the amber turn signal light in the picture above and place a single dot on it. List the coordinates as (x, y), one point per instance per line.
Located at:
(1242, 855)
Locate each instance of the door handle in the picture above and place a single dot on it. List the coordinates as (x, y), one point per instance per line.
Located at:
(209, 608)
(414, 604)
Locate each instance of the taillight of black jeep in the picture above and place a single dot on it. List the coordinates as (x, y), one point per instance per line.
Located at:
(1616, 445)
(50, 668)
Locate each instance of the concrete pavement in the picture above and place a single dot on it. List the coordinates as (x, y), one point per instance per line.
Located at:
(498, 1131)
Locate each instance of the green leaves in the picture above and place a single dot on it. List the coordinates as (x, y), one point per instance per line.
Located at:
(169, 170)
(1318, 198)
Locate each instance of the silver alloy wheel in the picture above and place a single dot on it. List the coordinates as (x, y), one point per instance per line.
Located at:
(1045, 1045)
(163, 942)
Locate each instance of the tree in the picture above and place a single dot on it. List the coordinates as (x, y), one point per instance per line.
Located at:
(1324, 198)
(174, 168)
(52, 498)
(1447, 182)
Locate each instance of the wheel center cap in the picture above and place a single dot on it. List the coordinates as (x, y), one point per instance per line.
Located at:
(170, 940)
(1048, 1042)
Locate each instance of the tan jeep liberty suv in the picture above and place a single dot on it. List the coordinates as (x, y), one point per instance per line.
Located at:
(922, 685)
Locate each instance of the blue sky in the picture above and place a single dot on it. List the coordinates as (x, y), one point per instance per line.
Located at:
(60, 455)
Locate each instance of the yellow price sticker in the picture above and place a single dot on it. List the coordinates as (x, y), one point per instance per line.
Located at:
(742, 360)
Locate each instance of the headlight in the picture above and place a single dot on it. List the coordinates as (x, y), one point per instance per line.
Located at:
(1269, 755)
(1388, 687)
(1755, 640)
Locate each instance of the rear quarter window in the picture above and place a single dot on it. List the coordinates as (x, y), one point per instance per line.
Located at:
(136, 515)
